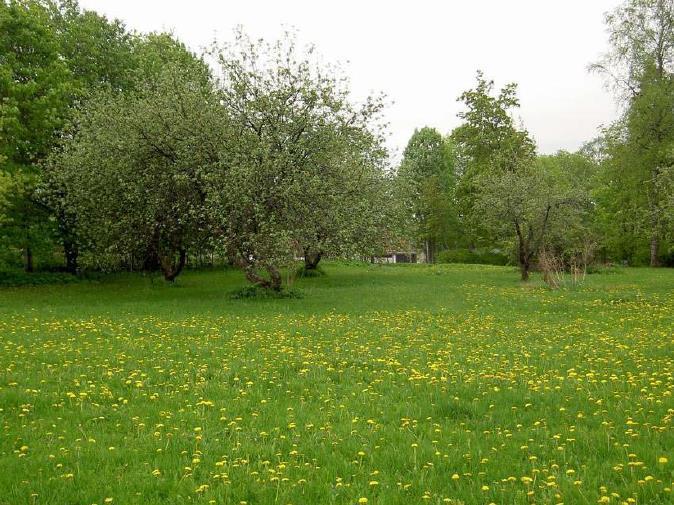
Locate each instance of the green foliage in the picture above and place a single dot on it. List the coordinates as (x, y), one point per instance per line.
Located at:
(302, 168)
(53, 55)
(637, 187)
(304, 272)
(35, 83)
(474, 256)
(488, 144)
(261, 293)
(153, 52)
(132, 176)
(426, 177)
(149, 157)
(637, 180)
(601, 269)
(488, 139)
(26, 230)
(506, 192)
(15, 278)
(100, 53)
(572, 179)
(641, 37)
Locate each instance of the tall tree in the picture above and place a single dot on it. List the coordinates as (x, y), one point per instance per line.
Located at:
(132, 174)
(53, 56)
(427, 173)
(529, 205)
(300, 152)
(35, 89)
(639, 66)
(487, 141)
(505, 190)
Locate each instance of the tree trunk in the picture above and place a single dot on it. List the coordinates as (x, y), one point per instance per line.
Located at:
(170, 269)
(428, 251)
(254, 278)
(311, 260)
(274, 282)
(655, 262)
(275, 276)
(28, 260)
(151, 262)
(524, 259)
(71, 253)
(524, 269)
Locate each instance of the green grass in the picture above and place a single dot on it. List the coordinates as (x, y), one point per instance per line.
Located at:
(395, 384)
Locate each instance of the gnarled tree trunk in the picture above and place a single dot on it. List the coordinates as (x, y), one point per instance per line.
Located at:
(525, 266)
(274, 282)
(172, 268)
(523, 253)
(311, 259)
(151, 259)
(275, 276)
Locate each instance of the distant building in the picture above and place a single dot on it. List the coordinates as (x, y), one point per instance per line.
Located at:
(400, 257)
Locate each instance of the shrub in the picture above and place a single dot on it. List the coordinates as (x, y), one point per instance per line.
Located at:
(260, 293)
(304, 273)
(15, 278)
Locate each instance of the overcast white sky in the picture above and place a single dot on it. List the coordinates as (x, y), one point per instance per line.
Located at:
(423, 53)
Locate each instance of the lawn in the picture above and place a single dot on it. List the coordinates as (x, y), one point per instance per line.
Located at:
(383, 385)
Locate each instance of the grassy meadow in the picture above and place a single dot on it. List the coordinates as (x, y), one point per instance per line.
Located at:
(383, 385)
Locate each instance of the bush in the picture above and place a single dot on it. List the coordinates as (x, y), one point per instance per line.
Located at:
(604, 269)
(667, 259)
(16, 278)
(477, 257)
(260, 293)
(304, 273)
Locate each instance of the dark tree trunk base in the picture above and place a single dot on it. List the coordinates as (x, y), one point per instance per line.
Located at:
(28, 267)
(525, 273)
(274, 282)
(71, 255)
(311, 260)
(655, 261)
(170, 269)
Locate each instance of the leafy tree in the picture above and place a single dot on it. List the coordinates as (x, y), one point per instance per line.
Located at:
(52, 55)
(152, 52)
(487, 141)
(427, 171)
(99, 53)
(571, 181)
(132, 174)
(34, 90)
(34, 83)
(504, 187)
(351, 217)
(639, 65)
(300, 162)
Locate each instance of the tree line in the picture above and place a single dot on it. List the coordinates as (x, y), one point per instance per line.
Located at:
(129, 151)
(485, 187)
(123, 150)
